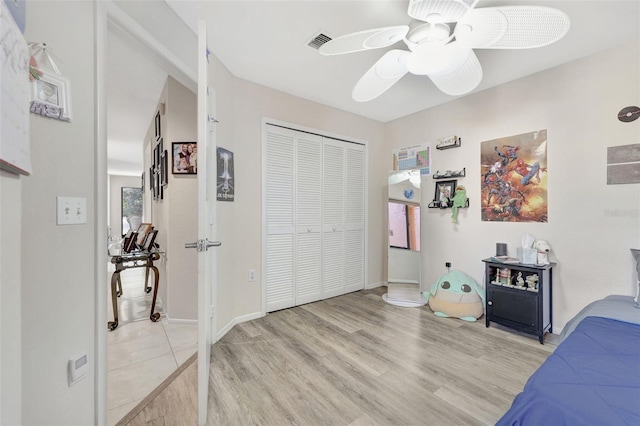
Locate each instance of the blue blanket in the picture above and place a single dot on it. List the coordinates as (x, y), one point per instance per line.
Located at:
(592, 378)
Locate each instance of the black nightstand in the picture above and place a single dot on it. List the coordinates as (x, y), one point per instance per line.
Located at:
(519, 296)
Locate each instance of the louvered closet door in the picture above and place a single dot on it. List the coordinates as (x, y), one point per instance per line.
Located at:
(308, 253)
(279, 180)
(354, 210)
(333, 244)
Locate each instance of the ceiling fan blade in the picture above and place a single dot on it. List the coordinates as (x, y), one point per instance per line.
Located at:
(462, 79)
(390, 68)
(511, 27)
(440, 10)
(364, 40)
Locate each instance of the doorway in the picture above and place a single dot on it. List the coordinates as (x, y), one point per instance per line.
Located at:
(139, 354)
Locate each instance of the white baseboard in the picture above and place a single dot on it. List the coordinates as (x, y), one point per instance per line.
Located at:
(244, 318)
(180, 321)
(375, 285)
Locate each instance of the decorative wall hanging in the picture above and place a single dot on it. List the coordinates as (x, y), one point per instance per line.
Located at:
(514, 178)
(184, 158)
(50, 93)
(629, 114)
(413, 157)
(623, 164)
(225, 189)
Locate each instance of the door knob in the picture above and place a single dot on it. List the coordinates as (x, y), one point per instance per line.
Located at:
(203, 245)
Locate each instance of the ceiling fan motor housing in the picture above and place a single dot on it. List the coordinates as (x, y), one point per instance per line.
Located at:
(448, 10)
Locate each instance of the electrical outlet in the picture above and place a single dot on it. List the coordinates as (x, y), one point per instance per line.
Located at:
(448, 264)
(252, 275)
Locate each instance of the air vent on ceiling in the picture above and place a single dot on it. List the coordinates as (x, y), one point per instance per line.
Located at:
(318, 40)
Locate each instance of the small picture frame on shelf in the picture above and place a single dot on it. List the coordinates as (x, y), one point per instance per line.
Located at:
(445, 190)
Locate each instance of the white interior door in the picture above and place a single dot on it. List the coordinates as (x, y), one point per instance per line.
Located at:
(206, 223)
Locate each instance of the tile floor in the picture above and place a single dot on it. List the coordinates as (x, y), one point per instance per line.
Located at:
(141, 353)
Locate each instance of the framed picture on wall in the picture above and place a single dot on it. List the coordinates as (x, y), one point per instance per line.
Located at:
(158, 130)
(184, 158)
(50, 97)
(164, 168)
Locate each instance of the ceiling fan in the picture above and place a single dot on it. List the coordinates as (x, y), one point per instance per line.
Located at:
(441, 38)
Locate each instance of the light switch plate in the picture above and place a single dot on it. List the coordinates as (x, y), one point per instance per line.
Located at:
(71, 210)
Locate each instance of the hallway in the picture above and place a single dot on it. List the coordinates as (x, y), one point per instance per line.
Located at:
(141, 353)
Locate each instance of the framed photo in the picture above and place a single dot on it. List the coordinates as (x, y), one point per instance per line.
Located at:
(149, 240)
(129, 242)
(156, 157)
(50, 97)
(156, 185)
(142, 231)
(445, 190)
(184, 158)
(158, 129)
(164, 168)
(225, 185)
(151, 179)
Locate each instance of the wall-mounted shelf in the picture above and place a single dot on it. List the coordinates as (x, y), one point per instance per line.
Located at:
(438, 204)
(450, 142)
(450, 174)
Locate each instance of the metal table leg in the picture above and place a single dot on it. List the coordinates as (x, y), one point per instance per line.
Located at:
(154, 316)
(115, 279)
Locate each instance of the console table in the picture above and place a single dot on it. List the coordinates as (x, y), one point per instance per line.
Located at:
(129, 261)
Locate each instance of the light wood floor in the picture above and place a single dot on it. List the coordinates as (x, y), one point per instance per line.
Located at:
(355, 360)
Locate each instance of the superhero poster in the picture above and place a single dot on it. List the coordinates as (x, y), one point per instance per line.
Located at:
(514, 178)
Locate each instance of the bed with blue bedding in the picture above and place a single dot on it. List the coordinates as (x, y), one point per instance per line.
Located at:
(593, 376)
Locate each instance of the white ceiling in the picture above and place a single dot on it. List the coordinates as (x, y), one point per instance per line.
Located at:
(266, 42)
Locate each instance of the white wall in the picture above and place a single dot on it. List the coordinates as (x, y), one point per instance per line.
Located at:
(58, 287)
(10, 299)
(116, 183)
(181, 195)
(175, 216)
(578, 104)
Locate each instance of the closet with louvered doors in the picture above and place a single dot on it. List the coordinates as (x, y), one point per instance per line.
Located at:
(314, 217)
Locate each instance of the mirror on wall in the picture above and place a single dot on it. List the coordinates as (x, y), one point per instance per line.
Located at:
(403, 278)
(132, 199)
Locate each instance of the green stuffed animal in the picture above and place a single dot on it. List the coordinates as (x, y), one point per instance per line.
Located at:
(459, 200)
(458, 295)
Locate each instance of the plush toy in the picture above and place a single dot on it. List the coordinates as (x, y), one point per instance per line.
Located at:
(459, 200)
(456, 294)
(543, 248)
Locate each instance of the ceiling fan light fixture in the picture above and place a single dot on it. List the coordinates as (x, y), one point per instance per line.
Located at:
(429, 31)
